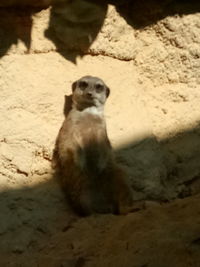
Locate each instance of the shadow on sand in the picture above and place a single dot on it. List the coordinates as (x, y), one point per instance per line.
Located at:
(74, 25)
(31, 216)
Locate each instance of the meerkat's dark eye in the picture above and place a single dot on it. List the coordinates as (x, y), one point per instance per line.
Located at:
(99, 87)
(83, 85)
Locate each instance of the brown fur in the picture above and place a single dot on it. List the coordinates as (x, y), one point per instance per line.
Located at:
(83, 155)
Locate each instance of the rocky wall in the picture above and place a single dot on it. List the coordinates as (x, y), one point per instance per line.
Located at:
(148, 52)
(42, 53)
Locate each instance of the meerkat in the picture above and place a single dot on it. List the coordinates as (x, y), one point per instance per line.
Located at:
(83, 155)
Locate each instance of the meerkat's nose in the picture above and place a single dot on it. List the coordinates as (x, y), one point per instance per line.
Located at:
(89, 94)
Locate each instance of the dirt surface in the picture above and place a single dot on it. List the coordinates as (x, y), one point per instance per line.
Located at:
(151, 65)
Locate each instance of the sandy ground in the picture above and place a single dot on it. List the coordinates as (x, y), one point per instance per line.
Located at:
(152, 117)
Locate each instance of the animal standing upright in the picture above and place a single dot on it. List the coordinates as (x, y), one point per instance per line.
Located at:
(83, 155)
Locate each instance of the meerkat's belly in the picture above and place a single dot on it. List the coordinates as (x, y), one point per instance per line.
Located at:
(93, 150)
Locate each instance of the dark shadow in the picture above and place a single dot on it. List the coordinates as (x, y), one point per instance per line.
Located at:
(32, 218)
(15, 24)
(74, 25)
(164, 170)
(30, 215)
(142, 13)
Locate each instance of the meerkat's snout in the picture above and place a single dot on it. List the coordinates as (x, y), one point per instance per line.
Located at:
(89, 94)
(90, 90)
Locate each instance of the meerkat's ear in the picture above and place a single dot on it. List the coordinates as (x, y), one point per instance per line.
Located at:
(107, 92)
(74, 86)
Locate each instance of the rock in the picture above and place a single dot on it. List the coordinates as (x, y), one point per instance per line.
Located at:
(148, 53)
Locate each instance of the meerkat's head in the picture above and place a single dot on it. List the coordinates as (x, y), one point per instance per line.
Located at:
(90, 91)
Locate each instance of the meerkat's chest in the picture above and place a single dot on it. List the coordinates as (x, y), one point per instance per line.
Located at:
(89, 128)
(90, 120)
(86, 137)
(93, 146)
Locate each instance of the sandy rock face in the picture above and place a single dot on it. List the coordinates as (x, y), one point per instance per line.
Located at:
(149, 55)
(152, 66)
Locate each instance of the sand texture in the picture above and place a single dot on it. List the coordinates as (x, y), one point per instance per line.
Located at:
(149, 55)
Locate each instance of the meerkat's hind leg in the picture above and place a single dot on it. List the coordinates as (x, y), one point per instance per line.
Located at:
(104, 194)
(82, 205)
(77, 190)
(124, 192)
